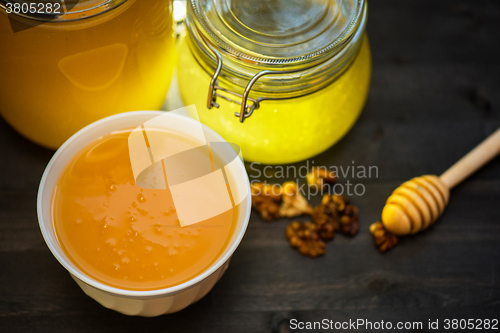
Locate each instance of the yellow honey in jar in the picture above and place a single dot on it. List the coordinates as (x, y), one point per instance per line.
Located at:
(283, 131)
(62, 75)
(126, 236)
(319, 60)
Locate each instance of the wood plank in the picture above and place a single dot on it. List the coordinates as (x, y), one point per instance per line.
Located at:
(434, 96)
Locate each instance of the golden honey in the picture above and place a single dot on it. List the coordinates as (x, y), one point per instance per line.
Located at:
(58, 77)
(286, 130)
(126, 236)
(284, 80)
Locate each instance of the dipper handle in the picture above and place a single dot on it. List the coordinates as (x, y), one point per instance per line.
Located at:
(475, 159)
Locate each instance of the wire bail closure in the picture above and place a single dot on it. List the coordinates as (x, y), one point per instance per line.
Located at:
(331, 61)
(245, 110)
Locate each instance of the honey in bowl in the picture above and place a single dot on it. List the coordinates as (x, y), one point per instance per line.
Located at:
(126, 236)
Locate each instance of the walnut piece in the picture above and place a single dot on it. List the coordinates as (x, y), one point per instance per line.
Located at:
(319, 176)
(339, 203)
(304, 236)
(348, 215)
(294, 204)
(266, 200)
(349, 221)
(333, 214)
(325, 216)
(384, 240)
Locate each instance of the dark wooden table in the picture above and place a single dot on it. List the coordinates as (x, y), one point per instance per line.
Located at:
(434, 96)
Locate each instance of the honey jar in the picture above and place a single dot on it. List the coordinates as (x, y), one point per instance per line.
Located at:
(283, 79)
(93, 58)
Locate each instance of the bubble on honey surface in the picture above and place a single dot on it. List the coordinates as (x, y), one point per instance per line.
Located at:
(112, 187)
(148, 249)
(172, 251)
(125, 260)
(141, 198)
(116, 265)
(78, 221)
(140, 219)
(111, 242)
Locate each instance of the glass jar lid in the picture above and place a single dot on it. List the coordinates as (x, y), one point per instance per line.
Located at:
(273, 49)
(278, 32)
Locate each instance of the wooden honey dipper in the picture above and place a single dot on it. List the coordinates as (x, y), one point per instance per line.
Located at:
(419, 202)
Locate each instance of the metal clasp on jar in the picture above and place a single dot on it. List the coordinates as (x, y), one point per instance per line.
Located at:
(245, 110)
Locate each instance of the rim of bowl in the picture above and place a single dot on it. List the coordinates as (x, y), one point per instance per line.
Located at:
(125, 292)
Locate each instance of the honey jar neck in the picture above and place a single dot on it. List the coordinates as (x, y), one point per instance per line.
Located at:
(284, 77)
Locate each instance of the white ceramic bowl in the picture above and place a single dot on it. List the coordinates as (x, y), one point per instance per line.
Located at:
(142, 303)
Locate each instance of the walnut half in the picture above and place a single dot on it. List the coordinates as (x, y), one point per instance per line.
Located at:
(266, 200)
(348, 215)
(294, 204)
(319, 176)
(326, 217)
(384, 240)
(304, 236)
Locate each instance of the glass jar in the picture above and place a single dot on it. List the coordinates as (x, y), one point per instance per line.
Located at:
(286, 79)
(61, 73)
